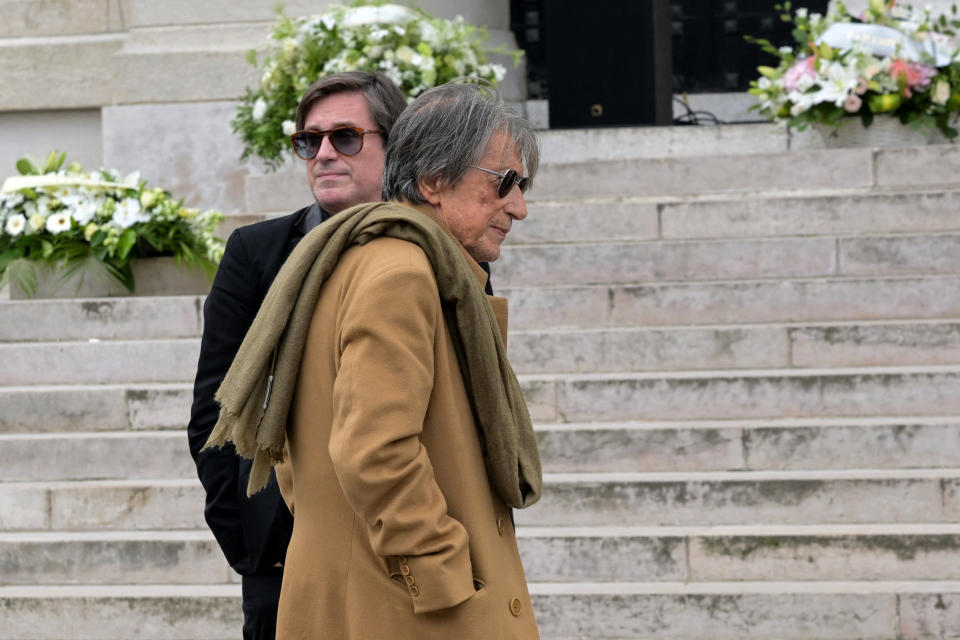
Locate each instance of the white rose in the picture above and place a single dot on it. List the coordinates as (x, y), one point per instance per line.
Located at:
(289, 127)
(941, 92)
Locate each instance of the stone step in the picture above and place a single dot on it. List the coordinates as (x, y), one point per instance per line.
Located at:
(133, 318)
(758, 346)
(795, 171)
(540, 352)
(747, 610)
(107, 557)
(96, 362)
(732, 445)
(30, 409)
(105, 455)
(774, 393)
(584, 499)
(638, 262)
(746, 498)
(690, 260)
(754, 301)
(550, 554)
(750, 217)
(681, 395)
(587, 611)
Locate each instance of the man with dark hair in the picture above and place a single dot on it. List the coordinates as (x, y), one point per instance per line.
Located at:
(343, 122)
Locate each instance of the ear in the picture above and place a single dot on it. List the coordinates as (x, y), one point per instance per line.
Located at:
(431, 189)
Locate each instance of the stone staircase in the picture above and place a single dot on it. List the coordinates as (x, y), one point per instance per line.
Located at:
(742, 354)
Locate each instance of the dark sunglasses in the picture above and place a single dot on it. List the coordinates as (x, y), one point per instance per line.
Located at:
(507, 180)
(347, 141)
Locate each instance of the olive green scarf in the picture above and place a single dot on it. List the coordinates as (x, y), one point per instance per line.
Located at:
(256, 393)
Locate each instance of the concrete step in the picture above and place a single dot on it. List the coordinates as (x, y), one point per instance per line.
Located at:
(734, 347)
(596, 499)
(732, 445)
(105, 455)
(830, 213)
(95, 362)
(748, 610)
(754, 301)
(719, 554)
(773, 393)
(108, 557)
(588, 611)
(531, 265)
(681, 395)
(31, 409)
(690, 260)
(550, 554)
(547, 352)
(795, 171)
(133, 318)
(746, 498)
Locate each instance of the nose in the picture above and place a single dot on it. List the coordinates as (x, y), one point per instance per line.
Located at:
(516, 204)
(326, 151)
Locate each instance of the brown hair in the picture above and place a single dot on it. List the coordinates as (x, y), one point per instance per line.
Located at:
(383, 97)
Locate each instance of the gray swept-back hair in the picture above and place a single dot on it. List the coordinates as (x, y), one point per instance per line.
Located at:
(444, 131)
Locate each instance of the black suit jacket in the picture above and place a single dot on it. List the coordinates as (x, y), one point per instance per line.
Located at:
(253, 532)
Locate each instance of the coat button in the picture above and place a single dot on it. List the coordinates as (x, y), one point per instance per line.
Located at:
(405, 569)
(500, 526)
(414, 591)
(409, 580)
(515, 606)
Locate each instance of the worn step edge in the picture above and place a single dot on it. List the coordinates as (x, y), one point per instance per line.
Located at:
(745, 373)
(738, 588)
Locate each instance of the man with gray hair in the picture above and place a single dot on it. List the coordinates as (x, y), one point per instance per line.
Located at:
(377, 370)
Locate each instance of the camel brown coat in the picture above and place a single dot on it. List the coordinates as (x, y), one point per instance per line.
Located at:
(397, 530)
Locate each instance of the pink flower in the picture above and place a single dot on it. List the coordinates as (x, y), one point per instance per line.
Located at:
(915, 75)
(862, 87)
(853, 103)
(801, 75)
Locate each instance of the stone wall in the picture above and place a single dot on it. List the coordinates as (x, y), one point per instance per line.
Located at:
(141, 84)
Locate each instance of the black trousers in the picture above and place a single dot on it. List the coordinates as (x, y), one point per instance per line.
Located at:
(261, 594)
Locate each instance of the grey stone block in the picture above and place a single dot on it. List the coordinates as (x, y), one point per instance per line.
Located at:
(656, 261)
(812, 215)
(716, 616)
(929, 615)
(607, 220)
(602, 557)
(104, 456)
(735, 499)
(597, 448)
(196, 155)
(84, 82)
(882, 445)
(785, 301)
(602, 351)
(543, 307)
(825, 557)
(102, 558)
(28, 19)
(876, 345)
(912, 255)
(178, 612)
(125, 505)
(834, 169)
(763, 395)
(91, 408)
(24, 506)
(108, 362)
(932, 165)
(103, 319)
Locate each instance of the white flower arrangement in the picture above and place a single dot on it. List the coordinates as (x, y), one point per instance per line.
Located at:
(68, 219)
(890, 61)
(414, 49)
